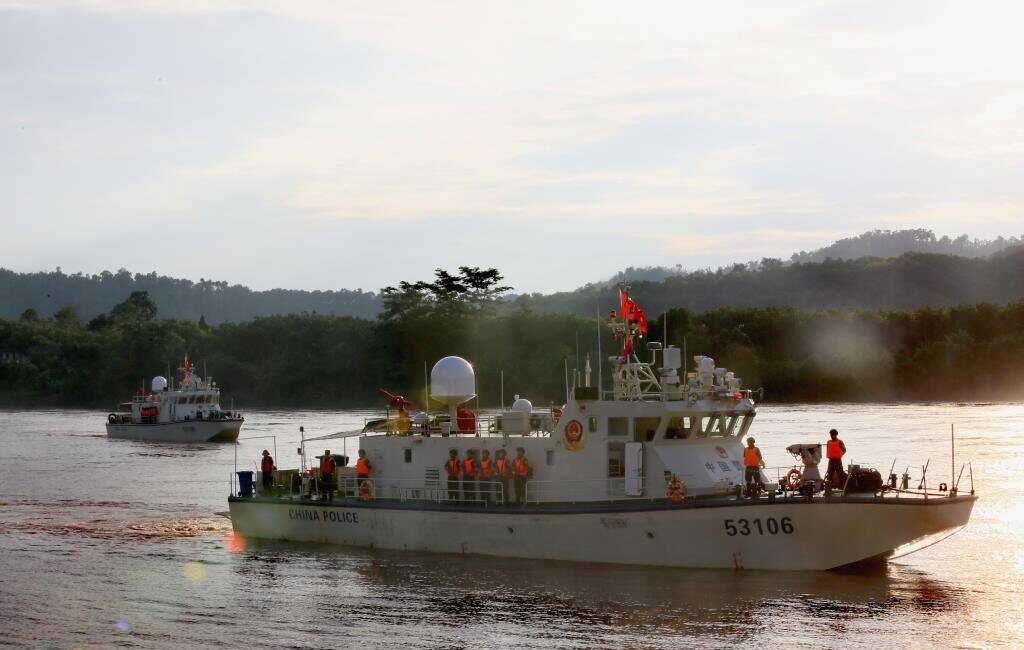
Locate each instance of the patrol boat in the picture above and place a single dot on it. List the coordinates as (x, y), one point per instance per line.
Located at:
(649, 472)
(187, 412)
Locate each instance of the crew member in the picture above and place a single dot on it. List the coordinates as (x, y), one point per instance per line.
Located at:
(834, 451)
(503, 469)
(521, 470)
(487, 475)
(453, 468)
(470, 471)
(363, 469)
(267, 469)
(753, 463)
(327, 475)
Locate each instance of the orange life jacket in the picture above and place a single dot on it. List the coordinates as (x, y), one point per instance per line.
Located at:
(326, 465)
(267, 465)
(362, 467)
(469, 468)
(834, 449)
(751, 457)
(522, 469)
(452, 467)
(502, 467)
(485, 468)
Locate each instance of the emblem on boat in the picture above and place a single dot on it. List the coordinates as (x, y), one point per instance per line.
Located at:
(572, 437)
(722, 452)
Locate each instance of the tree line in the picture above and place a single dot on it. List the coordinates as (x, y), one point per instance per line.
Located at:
(971, 352)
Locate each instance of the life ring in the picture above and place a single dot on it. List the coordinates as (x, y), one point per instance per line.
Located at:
(556, 414)
(365, 490)
(675, 489)
(111, 418)
(794, 478)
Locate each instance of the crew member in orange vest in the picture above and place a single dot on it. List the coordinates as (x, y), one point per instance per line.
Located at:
(503, 469)
(487, 475)
(327, 475)
(521, 471)
(470, 472)
(363, 469)
(267, 469)
(834, 451)
(453, 468)
(753, 463)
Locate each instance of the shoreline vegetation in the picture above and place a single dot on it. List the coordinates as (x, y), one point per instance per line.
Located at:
(968, 353)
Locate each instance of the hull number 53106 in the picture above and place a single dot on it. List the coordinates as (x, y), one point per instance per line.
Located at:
(770, 526)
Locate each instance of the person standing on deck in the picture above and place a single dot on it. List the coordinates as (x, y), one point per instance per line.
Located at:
(327, 475)
(521, 470)
(453, 468)
(363, 469)
(752, 462)
(487, 476)
(503, 469)
(470, 471)
(267, 470)
(835, 449)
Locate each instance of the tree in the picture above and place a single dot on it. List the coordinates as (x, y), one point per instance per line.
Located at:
(474, 291)
(137, 308)
(29, 316)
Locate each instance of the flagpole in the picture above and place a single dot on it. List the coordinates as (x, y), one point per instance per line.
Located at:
(600, 361)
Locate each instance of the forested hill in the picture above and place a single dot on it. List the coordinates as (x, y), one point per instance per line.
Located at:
(216, 302)
(910, 281)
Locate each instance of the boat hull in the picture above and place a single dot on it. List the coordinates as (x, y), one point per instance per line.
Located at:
(188, 431)
(780, 535)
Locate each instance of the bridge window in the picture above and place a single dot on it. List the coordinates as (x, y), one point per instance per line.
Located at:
(646, 428)
(618, 426)
(408, 455)
(678, 428)
(698, 429)
(592, 424)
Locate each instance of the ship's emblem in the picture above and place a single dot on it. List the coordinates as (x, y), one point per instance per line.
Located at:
(722, 452)
(572, 436)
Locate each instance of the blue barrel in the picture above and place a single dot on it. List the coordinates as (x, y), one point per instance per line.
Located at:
(245, 484)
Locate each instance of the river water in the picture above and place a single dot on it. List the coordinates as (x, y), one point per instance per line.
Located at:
(113, 543)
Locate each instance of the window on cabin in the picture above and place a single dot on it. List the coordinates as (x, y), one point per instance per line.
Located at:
(616, 459)
(730, 428)
(192, 399)
(678, 428)
(618, 426)
(200, 399)
(646, 428)
(408, 455)
(717, 425)
(182, 400)
(698, 429)
(549, 456)
(592, 424)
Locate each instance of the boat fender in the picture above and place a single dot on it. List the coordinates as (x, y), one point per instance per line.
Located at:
(794, 478)
(943, 487)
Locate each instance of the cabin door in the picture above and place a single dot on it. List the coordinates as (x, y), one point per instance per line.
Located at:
(634, 469)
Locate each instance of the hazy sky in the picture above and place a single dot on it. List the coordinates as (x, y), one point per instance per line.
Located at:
(344, 145)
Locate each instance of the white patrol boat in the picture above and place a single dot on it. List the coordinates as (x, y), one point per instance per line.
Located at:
(187, 412)
(650, 472)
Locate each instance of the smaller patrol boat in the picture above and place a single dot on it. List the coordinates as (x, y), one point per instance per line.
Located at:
(187, 412)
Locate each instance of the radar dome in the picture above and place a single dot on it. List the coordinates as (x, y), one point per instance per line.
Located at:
(452, 381)
(522, 405)
(159, 384)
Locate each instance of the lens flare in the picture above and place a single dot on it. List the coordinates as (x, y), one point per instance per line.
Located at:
(234, 542)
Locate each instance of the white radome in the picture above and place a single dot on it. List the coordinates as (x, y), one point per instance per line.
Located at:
(522, 405)
(452, 381)
(159, 384)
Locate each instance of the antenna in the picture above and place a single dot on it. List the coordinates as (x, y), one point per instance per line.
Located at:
(600, 362)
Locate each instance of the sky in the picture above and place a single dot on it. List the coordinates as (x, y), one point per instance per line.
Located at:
(329, 145)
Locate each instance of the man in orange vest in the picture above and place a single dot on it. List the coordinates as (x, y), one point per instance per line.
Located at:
(327, 475)
(487, 475)
(267, 469)
(453, 468)
(834, 451)
(470, 471)
(503, 469)
(752, 462)
(363, 469)
(521, 470)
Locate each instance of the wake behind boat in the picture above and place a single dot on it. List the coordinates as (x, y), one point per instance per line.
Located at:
(651, 472)
(188, 412)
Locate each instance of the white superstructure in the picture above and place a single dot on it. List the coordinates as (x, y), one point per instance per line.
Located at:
(648, 472)
(187, 412)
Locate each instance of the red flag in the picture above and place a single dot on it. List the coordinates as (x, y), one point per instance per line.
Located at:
(633, 313)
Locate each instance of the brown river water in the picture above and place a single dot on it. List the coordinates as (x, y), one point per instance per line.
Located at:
(113, 543)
